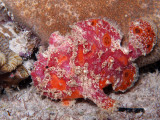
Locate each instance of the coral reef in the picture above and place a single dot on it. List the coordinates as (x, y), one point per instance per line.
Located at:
(17, 45)
(53, 15)
(19, 40)
(11, 59)
(82, 63)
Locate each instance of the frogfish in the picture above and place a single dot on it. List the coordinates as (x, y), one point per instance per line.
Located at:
(91, 57)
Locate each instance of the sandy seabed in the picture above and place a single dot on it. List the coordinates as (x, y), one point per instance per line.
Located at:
(26, 104)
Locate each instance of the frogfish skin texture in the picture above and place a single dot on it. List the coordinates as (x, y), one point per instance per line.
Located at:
(83, 62)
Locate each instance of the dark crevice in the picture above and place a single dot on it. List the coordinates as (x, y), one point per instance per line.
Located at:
(25, 83)
(150, 68)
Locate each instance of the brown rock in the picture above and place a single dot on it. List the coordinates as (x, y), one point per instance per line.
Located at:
(47, 16)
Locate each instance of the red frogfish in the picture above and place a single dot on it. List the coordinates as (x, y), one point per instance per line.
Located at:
(91, 57)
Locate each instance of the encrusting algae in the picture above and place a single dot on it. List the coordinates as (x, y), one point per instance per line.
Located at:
(83, 62)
